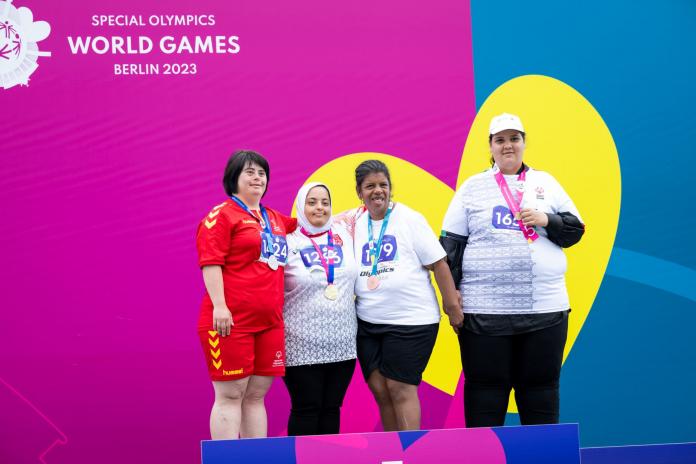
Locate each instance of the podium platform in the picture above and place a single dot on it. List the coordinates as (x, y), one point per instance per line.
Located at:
(544, 444)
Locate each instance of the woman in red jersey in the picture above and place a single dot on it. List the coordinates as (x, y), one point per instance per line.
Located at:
(242, 252)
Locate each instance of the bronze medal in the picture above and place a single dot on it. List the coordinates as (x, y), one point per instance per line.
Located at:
(372, 282)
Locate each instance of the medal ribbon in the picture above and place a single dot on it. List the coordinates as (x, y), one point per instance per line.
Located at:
(514, 203)
(266, 223)
(375, 251)
(328, 267)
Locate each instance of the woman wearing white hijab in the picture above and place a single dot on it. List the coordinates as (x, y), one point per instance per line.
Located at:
(319, 315)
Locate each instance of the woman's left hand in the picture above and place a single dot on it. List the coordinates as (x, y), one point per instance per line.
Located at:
(533, 217)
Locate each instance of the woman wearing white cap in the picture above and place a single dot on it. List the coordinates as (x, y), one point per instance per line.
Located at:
(503, 234)
(319, 315)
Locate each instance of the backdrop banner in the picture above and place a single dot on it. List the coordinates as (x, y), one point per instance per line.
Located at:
(118, 118)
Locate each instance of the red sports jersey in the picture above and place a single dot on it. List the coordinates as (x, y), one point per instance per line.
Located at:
(231, 238)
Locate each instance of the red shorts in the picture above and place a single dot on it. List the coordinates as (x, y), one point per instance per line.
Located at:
(242, 354)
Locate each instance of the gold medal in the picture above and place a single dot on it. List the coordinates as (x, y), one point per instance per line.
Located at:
(331, 292)
(372, 282)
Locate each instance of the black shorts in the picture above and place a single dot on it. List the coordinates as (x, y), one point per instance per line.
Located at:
(400, 352)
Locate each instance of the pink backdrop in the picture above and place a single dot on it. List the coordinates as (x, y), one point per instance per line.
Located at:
(105, 177)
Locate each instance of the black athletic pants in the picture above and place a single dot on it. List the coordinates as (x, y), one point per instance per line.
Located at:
(316, 395)
(529, 362)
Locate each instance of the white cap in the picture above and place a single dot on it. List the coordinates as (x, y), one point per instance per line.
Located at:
(505, 121)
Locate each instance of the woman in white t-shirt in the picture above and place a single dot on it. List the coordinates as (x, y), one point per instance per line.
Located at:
(319, 315)
(503, 233)
(398, 313)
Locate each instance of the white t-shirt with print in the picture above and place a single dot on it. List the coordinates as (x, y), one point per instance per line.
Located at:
(501, 272)
(405, 295)
(319, 330)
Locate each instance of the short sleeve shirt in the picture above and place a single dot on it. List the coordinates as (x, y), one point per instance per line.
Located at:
(405, 295)
(501, 272)
(230, 237)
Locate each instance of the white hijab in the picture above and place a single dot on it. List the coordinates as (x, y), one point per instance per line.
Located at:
(300, 205)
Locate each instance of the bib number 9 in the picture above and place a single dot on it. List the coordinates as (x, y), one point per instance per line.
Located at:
(387, 252)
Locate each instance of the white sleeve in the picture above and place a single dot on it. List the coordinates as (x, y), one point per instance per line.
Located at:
(425, 243)
(456, 219)
(561, 201)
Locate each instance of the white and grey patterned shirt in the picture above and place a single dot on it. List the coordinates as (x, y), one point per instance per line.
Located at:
(501, 272)
(319, 330)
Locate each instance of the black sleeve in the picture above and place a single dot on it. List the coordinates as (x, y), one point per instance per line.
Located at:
(454, 247)
(564, 229)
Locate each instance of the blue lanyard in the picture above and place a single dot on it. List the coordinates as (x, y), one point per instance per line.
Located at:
(328, 267)
(375, 251)
(267, 224)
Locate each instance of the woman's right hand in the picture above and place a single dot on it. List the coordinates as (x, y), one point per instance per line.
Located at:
(455, 313)
(222, 320)
(222, 317)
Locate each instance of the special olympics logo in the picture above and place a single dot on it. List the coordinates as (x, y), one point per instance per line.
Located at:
(18, 50)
